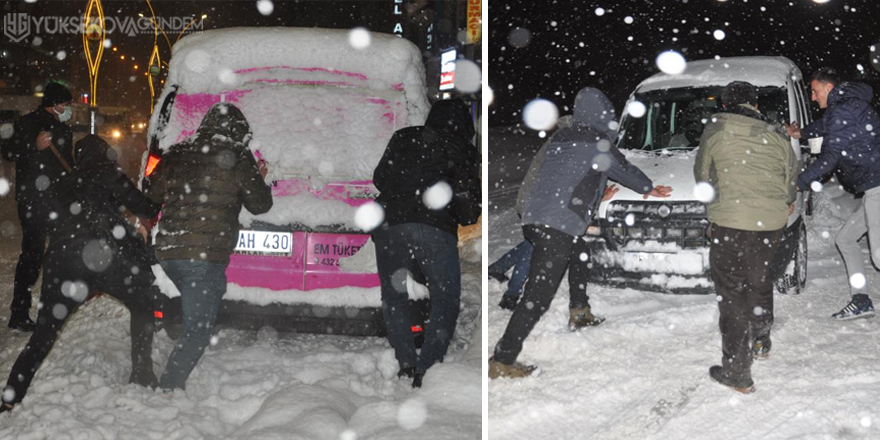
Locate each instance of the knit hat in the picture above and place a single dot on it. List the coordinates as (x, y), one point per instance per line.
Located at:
(54, 94)
(739, 92)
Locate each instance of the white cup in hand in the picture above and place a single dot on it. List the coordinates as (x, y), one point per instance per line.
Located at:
(815, 145)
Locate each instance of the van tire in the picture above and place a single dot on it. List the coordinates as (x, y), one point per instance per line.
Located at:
(795, 277)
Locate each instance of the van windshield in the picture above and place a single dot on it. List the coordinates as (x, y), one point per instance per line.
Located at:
(674, 118)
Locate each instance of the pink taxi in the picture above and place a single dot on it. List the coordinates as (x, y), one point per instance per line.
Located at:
(322, 105)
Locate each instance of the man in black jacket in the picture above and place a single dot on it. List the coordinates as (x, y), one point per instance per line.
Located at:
(850, 148)
(92, 248)
(420, 164)
(40, 139)
(213, 174)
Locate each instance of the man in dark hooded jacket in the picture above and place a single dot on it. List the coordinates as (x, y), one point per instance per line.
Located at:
(851, 146)
(416, 163)
(560, 203)
(203, 183)
(39, 139)
(92, 248)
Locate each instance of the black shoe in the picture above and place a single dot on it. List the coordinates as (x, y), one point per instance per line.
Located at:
(498, 276)
(6, 407)
(417, 380)
(761, 348)
(144, 378)
(508, 302)
(718, 376)
(407, 372)
(22, 323)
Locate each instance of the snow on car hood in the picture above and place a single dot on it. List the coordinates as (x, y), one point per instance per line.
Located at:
(669, 168)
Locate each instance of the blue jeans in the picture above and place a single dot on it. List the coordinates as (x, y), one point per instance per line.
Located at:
(201, 285)
(436, 253)
(518, 258)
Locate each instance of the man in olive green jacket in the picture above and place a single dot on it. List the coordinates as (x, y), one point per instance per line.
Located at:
(751, 167)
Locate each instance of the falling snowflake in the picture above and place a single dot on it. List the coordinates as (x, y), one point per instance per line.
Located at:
(540, 114)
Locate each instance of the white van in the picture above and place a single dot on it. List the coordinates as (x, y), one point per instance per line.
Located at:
(661, 244)
(322, 109)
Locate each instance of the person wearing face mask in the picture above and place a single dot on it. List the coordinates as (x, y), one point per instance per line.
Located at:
(41, 148)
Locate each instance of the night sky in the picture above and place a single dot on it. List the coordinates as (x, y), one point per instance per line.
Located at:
(553, 49)
(121, 84)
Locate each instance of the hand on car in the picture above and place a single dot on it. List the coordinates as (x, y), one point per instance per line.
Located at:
(44, 139)
(610, 191)
(793, 130)
(659, 191)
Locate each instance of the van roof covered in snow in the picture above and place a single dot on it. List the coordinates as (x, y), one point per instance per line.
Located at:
(761, 71)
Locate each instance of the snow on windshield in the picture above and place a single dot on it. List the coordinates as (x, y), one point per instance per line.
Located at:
(317, 105)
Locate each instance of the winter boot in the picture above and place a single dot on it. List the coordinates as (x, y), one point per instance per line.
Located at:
(761, 348)
(407, 372)
(742, 387)
(508, 302)
(857, 308)
(582, 317)
(498, 369)
(498, 276)
(417, 380)
(21, 322)
(4, 407)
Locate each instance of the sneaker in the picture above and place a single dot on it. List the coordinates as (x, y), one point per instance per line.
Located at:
(22, 323)
(407, 372)
(498, 369)
(508, 302)
(852, 311)
(498, 276)
(761, 349)
(745, 388)
(583, 317)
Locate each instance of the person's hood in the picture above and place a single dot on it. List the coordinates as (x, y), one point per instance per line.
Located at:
(850, 90)
(451, 116)
(224, 122)
(94, 153)
(594, 110)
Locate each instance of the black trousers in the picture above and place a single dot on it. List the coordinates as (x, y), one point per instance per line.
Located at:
(67, 284)
(741, 263)
(554, 252)
(34, 229)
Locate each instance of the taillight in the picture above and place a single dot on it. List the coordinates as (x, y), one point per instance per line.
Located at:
(152, 161)
(417, 329)
(158, 314)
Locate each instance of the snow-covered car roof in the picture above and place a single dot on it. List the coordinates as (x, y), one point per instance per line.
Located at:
(759, 70)
(219, 59)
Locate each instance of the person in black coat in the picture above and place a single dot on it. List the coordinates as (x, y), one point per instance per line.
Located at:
(419, 163)
(851, 149)
(39, 139)
(92, 248)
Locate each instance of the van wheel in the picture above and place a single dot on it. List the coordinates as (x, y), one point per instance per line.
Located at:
(795, 277)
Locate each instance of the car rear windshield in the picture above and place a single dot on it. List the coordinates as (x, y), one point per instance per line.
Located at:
(674, 118)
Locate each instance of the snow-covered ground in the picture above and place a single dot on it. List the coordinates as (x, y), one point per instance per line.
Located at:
(250, 385)
(643, 374)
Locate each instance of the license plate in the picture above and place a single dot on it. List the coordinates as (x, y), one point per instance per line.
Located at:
(264, 242)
